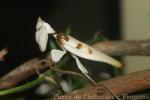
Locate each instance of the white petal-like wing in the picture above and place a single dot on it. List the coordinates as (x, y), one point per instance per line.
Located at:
(57, 55)
(85, 51)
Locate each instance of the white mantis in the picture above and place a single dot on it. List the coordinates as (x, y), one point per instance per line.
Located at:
(72, 45)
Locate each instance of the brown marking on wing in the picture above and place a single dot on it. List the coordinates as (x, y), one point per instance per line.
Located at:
(79, 45)
(59, 38)
(66, 38)
(90, 51)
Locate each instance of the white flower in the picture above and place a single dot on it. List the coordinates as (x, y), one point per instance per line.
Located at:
(72, 45)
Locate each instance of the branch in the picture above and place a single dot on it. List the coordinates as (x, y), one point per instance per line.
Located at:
(120, 85)
(23, 72)
(3, 52)
(124, 48)
(56, 69)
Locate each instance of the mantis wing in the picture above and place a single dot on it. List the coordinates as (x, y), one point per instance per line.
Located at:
(83, 50)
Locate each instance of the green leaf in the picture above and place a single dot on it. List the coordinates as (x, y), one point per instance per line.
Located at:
(52, 45)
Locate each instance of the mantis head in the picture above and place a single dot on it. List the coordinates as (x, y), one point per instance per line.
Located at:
(42, 31)
(43, 27)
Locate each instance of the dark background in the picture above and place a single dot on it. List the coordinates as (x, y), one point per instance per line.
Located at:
(18, 20)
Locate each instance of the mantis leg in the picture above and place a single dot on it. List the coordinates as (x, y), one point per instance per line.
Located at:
(83, 69)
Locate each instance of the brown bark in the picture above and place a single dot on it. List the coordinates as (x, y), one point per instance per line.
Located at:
(120, 85)
(124, 48)
(23, 72)
(3, 52)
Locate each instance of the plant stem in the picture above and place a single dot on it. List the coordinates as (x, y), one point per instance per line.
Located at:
(35, 82)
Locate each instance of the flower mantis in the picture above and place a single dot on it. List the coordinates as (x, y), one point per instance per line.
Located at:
(69, 44)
